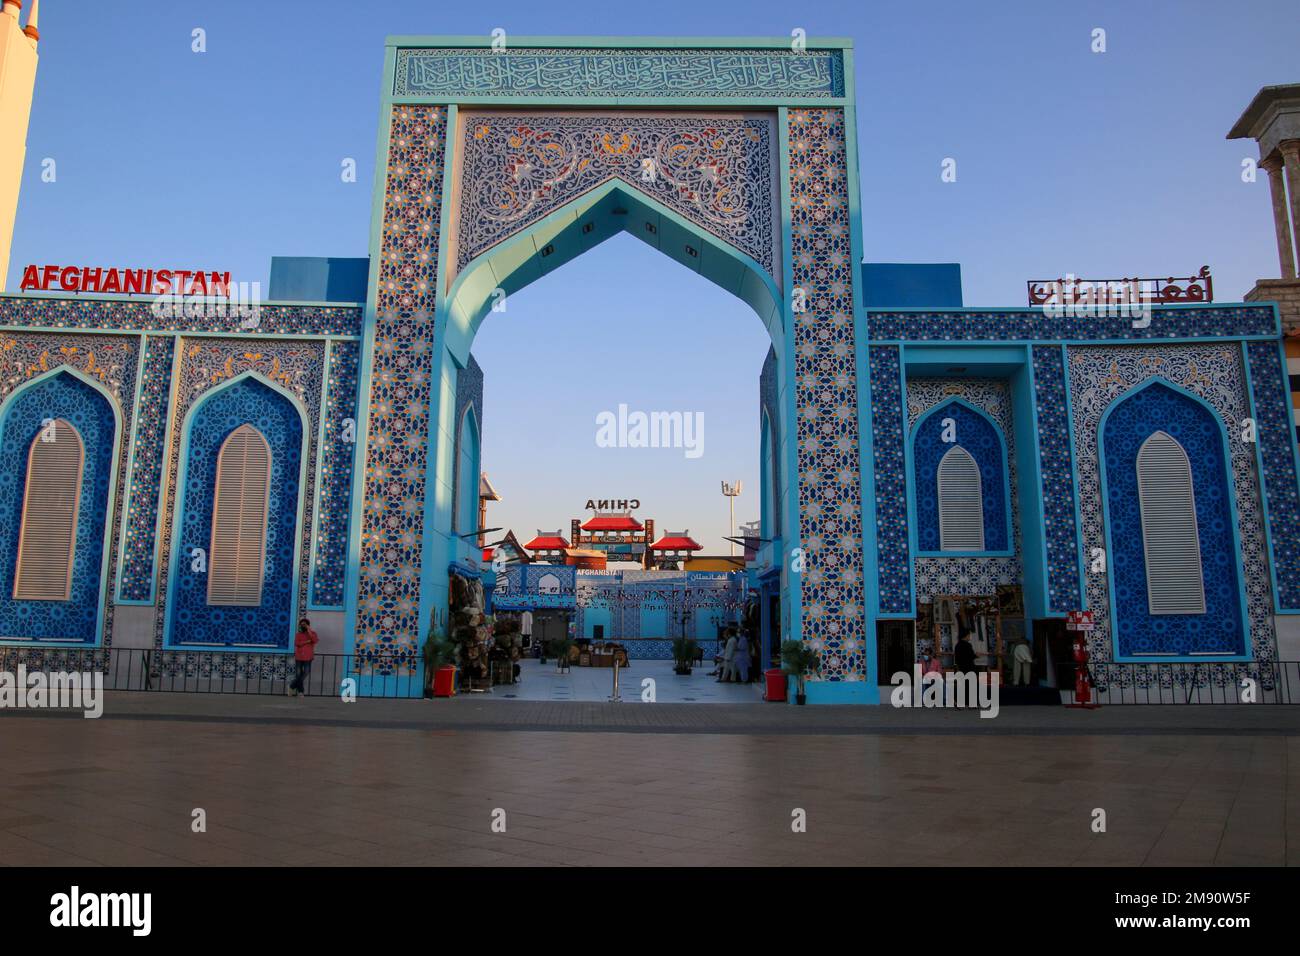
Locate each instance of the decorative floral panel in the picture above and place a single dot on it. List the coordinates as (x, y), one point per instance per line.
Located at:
(716, 171)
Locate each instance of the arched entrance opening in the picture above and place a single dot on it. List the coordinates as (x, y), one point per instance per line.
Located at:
(736, 159)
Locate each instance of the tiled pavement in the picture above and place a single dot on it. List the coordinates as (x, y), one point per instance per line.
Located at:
(416, 782)
(544, 682)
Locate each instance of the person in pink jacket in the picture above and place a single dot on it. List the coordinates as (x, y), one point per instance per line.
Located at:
(304, 651)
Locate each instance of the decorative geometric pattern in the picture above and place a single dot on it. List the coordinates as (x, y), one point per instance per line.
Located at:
(139, 544)
(1274, 433)
(388, 625)
(969, 575)
(1131, 421)
(1100, 375)
(193, 619)
(136, 315)
(1037, 326)
(1056, 464)
(65, 397)
(333, 523)
(716, 171)
(825, 377)
(980, 438)
(460, 74)
(893, 543)
(206, 364)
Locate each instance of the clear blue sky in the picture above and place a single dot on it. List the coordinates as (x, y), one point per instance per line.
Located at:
(1068, 161)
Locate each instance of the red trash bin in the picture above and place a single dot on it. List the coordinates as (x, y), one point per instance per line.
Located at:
(775, 684)
(444, 681)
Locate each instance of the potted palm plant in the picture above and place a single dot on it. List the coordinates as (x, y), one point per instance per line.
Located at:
(684, 649)
(798, 660)
(558, 647)
(439, 653)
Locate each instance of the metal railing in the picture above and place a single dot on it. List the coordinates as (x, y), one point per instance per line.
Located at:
(220, 672)
(1184, 682)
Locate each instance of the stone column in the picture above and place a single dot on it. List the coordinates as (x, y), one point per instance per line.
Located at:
(1273, 166)
(1290, 150)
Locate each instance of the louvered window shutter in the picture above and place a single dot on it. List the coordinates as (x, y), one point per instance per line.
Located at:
(1169, 534)
(47, 538)
(237, 558)
(961, 502)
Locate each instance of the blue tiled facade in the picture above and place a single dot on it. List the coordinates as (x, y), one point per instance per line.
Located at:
(355, 402)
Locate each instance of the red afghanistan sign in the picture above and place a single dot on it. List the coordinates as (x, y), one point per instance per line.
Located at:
(1079, 621)
(124, 281)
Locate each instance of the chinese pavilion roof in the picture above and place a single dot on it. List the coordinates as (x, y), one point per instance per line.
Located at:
(676, 541)
(624, 522)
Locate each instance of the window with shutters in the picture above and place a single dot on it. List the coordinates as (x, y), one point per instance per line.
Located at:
(961, 502)
(1170, 538)
(237, 558)
(47, 537)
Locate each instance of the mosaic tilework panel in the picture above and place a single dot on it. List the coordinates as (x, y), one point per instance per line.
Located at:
(112, 361)
(139, 544)
(1274, 423)
(826, 387)
(1035, 326)
(67, 398)
(193, 620)
(969, 575)
(1064, 591)
(1103, 374)
(715, 171)
(1131, 422)
(388, 626)
(136, 315)
(458, 74)
(893, 543)
(207, 364)
(979, 437)
(333, 520)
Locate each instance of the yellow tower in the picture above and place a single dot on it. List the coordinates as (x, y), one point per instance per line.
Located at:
(17, 84)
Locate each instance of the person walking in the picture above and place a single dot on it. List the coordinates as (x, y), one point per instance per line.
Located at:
(304, 652)
(742, 658)
(729, 659)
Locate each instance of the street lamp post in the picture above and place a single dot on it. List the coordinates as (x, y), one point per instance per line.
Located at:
(732, 491)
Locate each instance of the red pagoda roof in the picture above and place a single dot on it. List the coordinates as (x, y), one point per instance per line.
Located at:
(612, 523)
(676, 542)
(547, 542)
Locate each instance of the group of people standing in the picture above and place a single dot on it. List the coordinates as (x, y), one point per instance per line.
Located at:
(734, 658)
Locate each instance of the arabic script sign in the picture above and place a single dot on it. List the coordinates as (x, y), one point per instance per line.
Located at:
(466, 73)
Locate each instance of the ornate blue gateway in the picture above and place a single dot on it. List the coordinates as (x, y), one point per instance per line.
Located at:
(913, 458)
(735, 157)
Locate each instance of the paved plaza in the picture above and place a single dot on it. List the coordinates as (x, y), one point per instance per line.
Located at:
(319, 782)
(539, 681)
